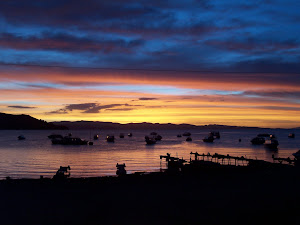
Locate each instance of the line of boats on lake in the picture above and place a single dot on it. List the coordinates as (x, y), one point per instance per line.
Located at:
(268, 140)
(150, 139)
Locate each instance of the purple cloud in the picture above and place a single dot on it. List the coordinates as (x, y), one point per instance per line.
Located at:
(21, 107)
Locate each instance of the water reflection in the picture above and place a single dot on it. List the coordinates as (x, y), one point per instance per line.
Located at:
(36, 155)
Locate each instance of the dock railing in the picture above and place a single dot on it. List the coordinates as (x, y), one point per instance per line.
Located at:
(222, 159)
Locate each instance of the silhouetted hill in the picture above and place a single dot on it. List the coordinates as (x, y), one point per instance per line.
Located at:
(25, 122)
(141, 126)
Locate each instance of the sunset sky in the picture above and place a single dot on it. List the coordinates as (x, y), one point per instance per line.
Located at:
(192, 61)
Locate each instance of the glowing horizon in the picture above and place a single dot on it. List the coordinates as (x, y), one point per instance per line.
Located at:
(116, 99)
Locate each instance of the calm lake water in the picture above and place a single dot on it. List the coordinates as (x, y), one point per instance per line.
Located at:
(36, 155)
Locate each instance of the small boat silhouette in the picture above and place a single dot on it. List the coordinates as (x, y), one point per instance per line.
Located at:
(189, 139)
(110, 138)
(96, 137)
(272, 143)
(291, 135)
(69, 141)
(208, 139)
(21, 137)
(150, 140)
(258, 140)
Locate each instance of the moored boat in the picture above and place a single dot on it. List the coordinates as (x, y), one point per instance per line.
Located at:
(291, 135)
(208, 139)
(258, 141)
(69, 141)
(21, 137)
(129, 134)
(96, 137)
(271, 143)
(150, 140)
(121, 135)
(110, 138)
(154, 135)
(178, 135)
(188, 139)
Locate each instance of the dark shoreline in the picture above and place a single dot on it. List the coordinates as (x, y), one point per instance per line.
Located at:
(208, 197)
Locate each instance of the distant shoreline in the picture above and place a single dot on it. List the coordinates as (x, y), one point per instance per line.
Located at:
(85, 125)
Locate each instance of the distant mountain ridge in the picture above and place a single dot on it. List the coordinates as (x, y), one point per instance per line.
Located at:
(26, 122)
(92, 125)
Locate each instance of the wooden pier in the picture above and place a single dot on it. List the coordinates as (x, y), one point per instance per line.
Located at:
(200, 161)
